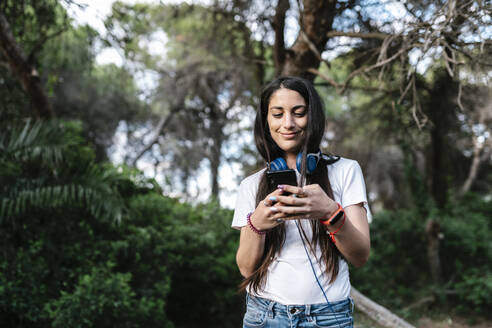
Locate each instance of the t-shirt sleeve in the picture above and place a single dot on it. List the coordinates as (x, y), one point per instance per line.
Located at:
(245, 203)
(354, 188)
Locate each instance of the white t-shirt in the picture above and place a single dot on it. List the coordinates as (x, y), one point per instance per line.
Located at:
(290, 278)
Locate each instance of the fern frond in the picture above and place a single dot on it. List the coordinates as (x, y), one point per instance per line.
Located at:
(98, 203)
(50, 173)
(33, 141)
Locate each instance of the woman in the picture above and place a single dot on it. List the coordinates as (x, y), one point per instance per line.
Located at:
(291, 252)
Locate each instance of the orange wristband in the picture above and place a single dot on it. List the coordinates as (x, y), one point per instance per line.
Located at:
(339, 213)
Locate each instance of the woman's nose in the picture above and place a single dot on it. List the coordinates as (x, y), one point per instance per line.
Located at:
(289, 122)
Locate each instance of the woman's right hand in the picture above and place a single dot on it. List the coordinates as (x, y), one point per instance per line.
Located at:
(265, 216)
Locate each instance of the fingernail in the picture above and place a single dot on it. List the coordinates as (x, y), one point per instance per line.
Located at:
(273, 209)
(281, 187)
(273, 199)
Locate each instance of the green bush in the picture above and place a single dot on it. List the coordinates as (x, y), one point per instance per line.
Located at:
(198, 247)
(397, 273)
(91, 245)
(476, 288)
(398, 260)
(466, 251)
(100, 299)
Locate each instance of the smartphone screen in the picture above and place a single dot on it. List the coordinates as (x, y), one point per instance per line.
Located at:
(276, 178)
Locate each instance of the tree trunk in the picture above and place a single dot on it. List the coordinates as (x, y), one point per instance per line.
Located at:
(440, 113)
(433, 229)
(472, 174)
(316, 21)
(378, 313)
(439, 110)
(437, 176)
(279, 44)
(217, 135)
(25, 73)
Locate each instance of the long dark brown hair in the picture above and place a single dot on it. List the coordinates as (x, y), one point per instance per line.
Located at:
(269, 150)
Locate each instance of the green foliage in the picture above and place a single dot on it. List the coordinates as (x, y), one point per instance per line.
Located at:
(64, 58)
(398, 260)
(71, 52)
(100, 299)
(32, 21)
(45, 173)
(209, 260)
(65, 263)
(475, 289)
(466, 250)
(397, 273)
(198, 246)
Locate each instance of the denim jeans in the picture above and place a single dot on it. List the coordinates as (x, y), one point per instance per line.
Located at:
(262, 312)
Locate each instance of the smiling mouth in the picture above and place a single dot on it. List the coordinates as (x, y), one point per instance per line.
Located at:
(289, 135)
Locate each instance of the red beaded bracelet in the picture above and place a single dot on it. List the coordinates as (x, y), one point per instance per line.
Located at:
(332, 234)
(252, 227)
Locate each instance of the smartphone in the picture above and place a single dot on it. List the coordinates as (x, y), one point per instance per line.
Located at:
(276, 178)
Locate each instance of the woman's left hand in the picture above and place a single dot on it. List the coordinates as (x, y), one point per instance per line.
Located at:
(309, 202)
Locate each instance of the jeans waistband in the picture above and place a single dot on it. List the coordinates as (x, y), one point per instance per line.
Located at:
(335, 307)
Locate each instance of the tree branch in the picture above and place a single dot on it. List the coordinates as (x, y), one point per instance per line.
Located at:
(163, 123)
(360, 87)
(313, 48)
(359, 35)
(378, 313)
(478, 148)
(326, 78)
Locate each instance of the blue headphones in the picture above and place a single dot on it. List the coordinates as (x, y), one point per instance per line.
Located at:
(312, 160)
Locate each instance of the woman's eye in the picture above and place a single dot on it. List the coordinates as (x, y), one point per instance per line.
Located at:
(300, 114)
(277, 115)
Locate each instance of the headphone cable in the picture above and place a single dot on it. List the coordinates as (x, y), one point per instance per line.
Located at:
(314, 273)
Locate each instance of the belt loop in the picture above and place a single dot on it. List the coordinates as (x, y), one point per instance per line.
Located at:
(270, 309)
(309, 316)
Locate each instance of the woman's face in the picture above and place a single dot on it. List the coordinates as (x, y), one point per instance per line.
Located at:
(287, 119)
